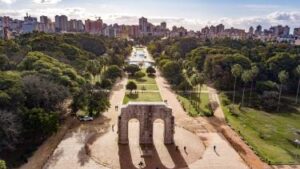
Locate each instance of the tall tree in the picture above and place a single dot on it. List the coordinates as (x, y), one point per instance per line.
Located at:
(236, 71)
(254, 73)
(246, 77)
(98, 103)
(283, 76)
(297, 73)
(131, 86)
(93, 67)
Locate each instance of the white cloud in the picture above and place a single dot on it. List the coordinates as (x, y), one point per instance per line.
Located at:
(291, 18)
(260, 6)
(8, 1)
(275, 18)
(46, 1)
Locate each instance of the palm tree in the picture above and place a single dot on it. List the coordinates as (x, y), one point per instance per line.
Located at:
(255, 71)
(246, 77)
(198, 80)
(283, 76)
(201, 81)
(236, 71)
(297, 73)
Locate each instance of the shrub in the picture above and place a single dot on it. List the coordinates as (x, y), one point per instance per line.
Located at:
(225, 100)
(106, 84)
(132, 69)
(131, 86)
(185, 85)
(150, 70)
(2, 164)
(263, 86)
(234, 110)
(112, 72)
(269, 100)
(40, 122)
(139, 74)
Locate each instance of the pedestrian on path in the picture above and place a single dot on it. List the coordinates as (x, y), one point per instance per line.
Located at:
(215, 147)
(141, 164)
(112, 127)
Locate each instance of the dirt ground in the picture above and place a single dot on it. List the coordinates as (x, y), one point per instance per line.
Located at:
(77, 149)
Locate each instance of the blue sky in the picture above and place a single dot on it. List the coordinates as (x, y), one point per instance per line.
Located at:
(193, 14)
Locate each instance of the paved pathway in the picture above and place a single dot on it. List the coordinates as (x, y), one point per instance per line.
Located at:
(225, 158)
(235, 140)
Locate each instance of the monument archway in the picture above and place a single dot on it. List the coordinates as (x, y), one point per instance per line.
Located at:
(146, 113)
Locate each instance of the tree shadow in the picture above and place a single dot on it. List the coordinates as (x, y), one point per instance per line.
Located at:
(153, 161)
(93, 133)
(83, 158)
(55, 157)
(133, 95)
(177, 156)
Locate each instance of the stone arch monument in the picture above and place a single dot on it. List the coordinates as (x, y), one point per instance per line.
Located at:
(146, 113)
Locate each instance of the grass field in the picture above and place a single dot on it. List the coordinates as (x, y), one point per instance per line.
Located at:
(142, 97)
(270, 134)
(144, 80)
(192, 109)
(148, 83)
(147, 86)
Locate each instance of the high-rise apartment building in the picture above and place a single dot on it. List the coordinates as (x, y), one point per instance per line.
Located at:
(61, 23)
(94, 27)
(258, 30)
(297, 32)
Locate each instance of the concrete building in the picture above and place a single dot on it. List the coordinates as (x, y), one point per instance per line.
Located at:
(143, 24)
(258, 30)
(29, 25)
(251, 31)
(109, 31)
(94, 27)
(163, 25)
(61, 23)
(297, 32)
(46, 25)
(75, 26)
(220, 28)
(280, 31)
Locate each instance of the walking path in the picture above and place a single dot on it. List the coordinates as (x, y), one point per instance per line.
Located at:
(235, 140)
(225, 157)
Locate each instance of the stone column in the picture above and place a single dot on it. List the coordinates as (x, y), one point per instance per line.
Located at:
(169, 130)
(123, 130)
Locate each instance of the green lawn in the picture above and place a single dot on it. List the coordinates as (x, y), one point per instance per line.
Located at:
(142, 97)
(144, 80)
(147, 86)
(270, 134)
(203, 108)
(149, 83)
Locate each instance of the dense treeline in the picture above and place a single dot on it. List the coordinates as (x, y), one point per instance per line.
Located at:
(42, 75)
(265, 69)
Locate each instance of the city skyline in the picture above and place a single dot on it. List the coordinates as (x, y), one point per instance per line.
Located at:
(239, 14)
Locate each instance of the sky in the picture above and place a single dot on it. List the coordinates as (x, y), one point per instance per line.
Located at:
(192, 14)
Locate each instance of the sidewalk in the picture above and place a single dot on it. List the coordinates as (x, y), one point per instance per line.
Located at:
(252, 160)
